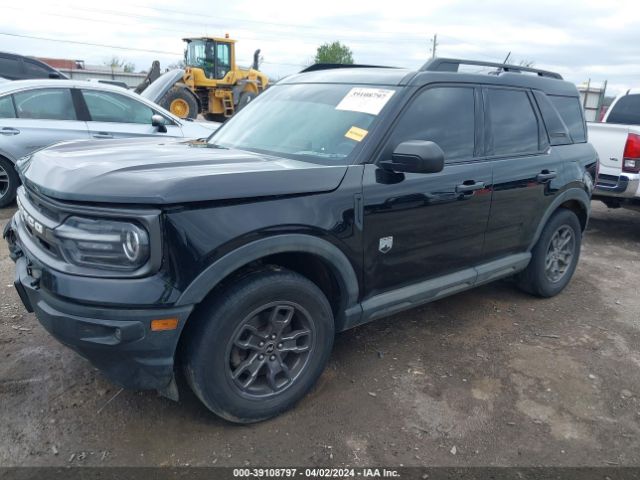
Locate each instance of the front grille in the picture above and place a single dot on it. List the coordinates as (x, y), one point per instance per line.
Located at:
(39, 219)
(43, 206)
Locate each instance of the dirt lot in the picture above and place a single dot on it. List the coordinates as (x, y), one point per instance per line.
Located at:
(487, 377)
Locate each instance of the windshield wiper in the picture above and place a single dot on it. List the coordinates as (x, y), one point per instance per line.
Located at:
(215, 145)
(312, 153)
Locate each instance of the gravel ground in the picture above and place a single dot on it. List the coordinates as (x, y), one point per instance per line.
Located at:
(487, 377)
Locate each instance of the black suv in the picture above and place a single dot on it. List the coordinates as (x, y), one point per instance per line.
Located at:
(339, 196)
(18, 67)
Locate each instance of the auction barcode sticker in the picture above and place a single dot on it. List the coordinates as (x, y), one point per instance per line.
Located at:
(365, 100)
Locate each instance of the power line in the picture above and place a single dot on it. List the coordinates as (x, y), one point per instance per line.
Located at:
(89, 44)
(360, 36)
(119, 47)
(218, 18)
(360, 39)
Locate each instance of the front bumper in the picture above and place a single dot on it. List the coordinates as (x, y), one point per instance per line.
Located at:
(118, 341)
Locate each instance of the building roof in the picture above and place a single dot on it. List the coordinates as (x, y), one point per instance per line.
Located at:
(62, 63)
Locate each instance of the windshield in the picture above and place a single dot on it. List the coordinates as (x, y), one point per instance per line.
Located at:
(316, 122)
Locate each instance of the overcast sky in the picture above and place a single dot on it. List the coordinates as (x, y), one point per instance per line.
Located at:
(580, 39)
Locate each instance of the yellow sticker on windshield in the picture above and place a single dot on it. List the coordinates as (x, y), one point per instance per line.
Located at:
(356, 134)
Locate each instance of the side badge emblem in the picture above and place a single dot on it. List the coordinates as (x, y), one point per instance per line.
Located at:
(386, 243)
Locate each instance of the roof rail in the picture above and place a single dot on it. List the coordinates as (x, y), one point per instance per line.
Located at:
(453, 64)
(330, 66)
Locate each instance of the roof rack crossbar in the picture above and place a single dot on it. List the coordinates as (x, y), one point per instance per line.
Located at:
(453, 64)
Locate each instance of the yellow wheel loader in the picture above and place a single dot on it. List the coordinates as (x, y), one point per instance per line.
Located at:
(211, 83)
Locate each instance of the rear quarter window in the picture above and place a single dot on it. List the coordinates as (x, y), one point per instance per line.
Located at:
(6, 107)
(626, 111)
(571, 113)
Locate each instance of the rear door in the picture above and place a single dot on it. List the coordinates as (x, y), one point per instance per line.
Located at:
(41, 117)
(112, 115)
(527, 173)
(422, 226)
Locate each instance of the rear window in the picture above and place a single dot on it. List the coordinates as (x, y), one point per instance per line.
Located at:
(34, 70)
(571, 113)
(9, 67)
(626, 111)
(45, 104)
(513, 122)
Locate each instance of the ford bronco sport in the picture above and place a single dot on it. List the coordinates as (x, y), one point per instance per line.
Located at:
(339, 196)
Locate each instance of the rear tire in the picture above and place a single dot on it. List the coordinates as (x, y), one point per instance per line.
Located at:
(180, 101)
(555, 256)
(257, 347)
(9, 182)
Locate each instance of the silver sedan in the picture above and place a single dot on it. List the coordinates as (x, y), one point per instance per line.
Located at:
(37, 113)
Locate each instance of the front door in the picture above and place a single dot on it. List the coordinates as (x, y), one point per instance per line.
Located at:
(421, 226)
(112, 115)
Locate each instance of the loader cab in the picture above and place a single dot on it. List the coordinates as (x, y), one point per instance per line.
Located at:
(214, 56)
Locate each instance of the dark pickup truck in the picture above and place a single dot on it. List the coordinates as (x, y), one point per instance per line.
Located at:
(339, 196)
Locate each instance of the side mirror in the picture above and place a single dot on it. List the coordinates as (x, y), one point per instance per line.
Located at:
(158, 122)
(415, 156)
(54, 75)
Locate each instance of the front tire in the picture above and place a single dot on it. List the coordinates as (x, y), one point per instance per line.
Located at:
(555, 256)
(9, 182)
(180, 101)
(257, 347)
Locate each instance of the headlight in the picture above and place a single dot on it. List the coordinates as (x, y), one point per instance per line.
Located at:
(105, 244)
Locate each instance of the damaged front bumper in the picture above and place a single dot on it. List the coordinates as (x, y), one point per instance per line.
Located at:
(117, 340)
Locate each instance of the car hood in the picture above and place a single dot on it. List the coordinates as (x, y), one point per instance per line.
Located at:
(146, 171)
(162, 84)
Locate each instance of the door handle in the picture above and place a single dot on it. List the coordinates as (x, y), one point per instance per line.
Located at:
(102, 135)
(469, 186)
(9, 131)
(546, 175)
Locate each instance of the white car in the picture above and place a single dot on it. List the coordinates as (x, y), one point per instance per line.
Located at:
(617, 141)
(38, 113)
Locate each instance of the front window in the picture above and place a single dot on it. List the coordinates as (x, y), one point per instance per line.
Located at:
(312, 122)
(196, 55)
(112, 107)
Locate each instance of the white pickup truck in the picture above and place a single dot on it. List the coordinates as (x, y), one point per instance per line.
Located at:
(617, 141)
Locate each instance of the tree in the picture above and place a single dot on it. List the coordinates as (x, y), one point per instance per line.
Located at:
(334, 52)
(117, 62)
(175, 65)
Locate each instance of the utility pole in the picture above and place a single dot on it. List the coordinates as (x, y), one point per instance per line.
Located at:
(434, 45)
